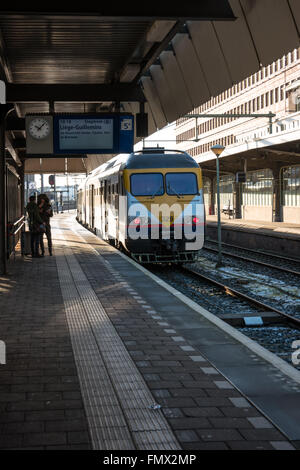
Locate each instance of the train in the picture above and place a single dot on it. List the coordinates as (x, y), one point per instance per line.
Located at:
(148, 203)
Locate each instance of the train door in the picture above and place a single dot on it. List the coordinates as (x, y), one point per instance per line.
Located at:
(117, 209)
(85, 204)
(122, 210)
(105, 209)
(91, 207)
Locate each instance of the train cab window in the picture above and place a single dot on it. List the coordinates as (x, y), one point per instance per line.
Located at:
(181, 183)
(147, 184)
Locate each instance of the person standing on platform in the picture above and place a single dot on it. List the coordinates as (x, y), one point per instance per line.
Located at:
(35, 221)
(46, 213)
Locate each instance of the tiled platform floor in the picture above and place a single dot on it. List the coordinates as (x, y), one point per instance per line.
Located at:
(87, 356)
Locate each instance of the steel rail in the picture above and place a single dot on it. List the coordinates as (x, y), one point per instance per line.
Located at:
(262, 263)
(235, 293)
(265, 253)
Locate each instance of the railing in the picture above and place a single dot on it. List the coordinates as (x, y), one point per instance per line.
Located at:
(13, 229)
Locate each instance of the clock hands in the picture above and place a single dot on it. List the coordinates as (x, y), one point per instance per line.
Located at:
(39, 128)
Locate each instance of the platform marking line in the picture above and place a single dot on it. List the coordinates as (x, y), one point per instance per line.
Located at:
(149, 428)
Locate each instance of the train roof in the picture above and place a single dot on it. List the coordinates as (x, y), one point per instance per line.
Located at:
(155, 159)
(146, 158)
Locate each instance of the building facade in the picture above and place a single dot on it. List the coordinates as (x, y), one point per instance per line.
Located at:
(271, 191)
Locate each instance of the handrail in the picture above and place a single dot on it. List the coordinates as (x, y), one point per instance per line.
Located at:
(19, 228)
(21, 222)
(18, 221)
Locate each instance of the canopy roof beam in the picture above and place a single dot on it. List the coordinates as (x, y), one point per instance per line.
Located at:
(70, 93)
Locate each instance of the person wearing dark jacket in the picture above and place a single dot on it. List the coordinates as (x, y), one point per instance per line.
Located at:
(46, 213)
(35, 221)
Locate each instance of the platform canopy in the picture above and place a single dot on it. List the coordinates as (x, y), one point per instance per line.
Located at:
(161, 59)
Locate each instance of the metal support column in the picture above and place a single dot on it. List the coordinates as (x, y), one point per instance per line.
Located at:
(219, 262)
(4, 109)
(22, 181)
(276, 203)
(237, 203)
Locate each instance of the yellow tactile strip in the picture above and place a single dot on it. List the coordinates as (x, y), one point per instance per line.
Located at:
(116, 397)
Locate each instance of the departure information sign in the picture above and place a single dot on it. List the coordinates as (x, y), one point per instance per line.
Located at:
(86, 133)
(92, 134)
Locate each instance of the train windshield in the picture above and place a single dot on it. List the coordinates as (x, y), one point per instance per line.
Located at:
(147, 184)
(181, 183)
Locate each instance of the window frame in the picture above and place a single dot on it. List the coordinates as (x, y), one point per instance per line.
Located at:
(148, 195)
(181, 173)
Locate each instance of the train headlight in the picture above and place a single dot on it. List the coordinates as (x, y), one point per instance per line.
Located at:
(191, 220)
(137, 220)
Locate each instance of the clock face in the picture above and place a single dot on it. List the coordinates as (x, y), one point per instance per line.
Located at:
(39, 128)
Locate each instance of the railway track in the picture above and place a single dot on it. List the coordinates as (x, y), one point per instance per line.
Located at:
(257, 261)
(236, 293)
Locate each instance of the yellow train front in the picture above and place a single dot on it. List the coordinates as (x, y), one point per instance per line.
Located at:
(149, 203)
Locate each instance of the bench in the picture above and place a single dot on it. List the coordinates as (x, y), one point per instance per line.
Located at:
(228, 210)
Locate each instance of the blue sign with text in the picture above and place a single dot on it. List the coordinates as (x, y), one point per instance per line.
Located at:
(93, 133)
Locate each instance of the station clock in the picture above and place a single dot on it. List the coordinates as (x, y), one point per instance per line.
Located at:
(39, 128)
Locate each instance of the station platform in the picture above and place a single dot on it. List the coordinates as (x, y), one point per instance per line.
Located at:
(269, 236)
(95, 342)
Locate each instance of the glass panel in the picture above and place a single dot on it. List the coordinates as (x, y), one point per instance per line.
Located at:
(147, 184)
(181, 183)
(258, 189)
(291, 186)
(226, 190)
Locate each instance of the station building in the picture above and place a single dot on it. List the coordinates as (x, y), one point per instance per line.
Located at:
(270, 157)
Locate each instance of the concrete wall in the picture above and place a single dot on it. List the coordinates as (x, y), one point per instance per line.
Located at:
(291, 214)
(263, 213)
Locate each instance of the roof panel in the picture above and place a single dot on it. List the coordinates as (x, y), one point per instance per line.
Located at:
(272, 28)
(237, 44)
(191, 69)
(41, 50)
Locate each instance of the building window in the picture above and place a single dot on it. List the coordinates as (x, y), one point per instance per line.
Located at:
(267, 99)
